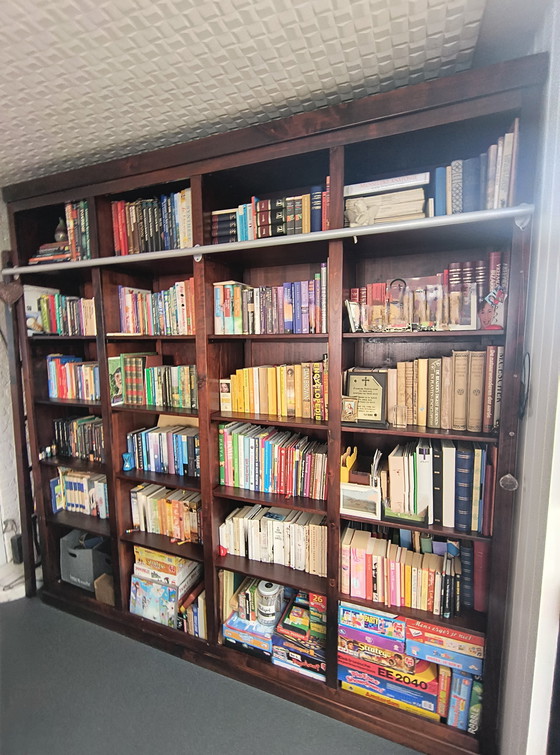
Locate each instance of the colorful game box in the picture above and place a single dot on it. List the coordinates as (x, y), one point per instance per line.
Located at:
(368, 638)
(445, 637)
(388, 688)
(430, 714)
(373, 654)
(444, 657)
(368, 620)
(249, 633)
(298, 656)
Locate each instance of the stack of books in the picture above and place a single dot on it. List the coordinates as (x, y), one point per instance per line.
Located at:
(299, 307)
(80, 438)
(79, 492)
(224, 226)
(152, 225)
(276, 535)
(271, 460)
(163, 313)
(162, 588)
(56, 251)
(174, 513)
(287, 390)
(69, 377)
(173, 449)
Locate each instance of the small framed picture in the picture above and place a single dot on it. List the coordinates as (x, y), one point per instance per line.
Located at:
(349, 409)
(360, 500)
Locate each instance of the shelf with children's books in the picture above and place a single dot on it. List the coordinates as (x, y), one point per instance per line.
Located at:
(242, 495)
(451, 120)
(74, 520)
(163, 543)
(276, 573)
(467, 620)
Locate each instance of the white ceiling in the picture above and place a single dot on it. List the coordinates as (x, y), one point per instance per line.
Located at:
(84, 81)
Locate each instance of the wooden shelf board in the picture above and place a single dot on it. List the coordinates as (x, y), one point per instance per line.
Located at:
(163, 543)
(147, 408)
(56, 337)
(468, 621)
(282, 575)
(145, 337)
(415, 431)
(269, 419)
(68, 402)
(78, 521)
(244, 496)
(271, 337)
(434, 529)
(79, 465)
(445, 335)
(169, 480)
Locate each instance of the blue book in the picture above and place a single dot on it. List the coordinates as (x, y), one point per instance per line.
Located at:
(296, 297)
(464, 472)
(316, 207)
(440, 200)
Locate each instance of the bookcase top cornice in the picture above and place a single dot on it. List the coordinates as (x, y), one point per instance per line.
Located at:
(469, 85)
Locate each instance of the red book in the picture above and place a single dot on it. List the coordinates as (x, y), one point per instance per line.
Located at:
(481, 564)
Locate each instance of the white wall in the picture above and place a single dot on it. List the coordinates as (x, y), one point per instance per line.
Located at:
(9, 506)
(536, 576)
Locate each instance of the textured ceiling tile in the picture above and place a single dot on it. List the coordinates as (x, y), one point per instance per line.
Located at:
(91, 80)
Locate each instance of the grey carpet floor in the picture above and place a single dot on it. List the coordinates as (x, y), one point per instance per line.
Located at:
(70, 687)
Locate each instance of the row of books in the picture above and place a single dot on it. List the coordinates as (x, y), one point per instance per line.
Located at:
(465, 296)
(69, 377)
(443, 482)
(173, 449)
(270, 460)
(482, 182)
(275, 535)
(286, 390)
(141, 378)
(280, 216)
(411, 665)
(79, 492)
(458, 392)
(162, 313)
(299, 307)
(379, 570)
(152, 225)
(79, 437)
(48, 311)
(163, 587)
(161, 511)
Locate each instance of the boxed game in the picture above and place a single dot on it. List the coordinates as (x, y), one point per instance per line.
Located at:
(377, 640)
(299, 655)
(445, 637)
(424, 677)
(153, 600)
(368, 620)
(430, 714)
(373, 654)
(388, 688)
(459, 699)
(161, 562)
(248, 633)
(444, 657)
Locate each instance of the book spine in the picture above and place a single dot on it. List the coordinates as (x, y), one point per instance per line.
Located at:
(463, 487)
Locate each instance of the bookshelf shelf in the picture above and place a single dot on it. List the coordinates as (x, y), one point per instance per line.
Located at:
(243, 496)
(147, 409)
(395, 132)
(414, 431)
(163, 543)
(470, 621)
(269, 419)
(78, 465)
(169, 480)
(434, 529)
(68, 402)
(74, 520)
(281, 575)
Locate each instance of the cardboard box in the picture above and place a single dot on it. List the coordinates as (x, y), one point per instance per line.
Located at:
(444, 657)
(81, 565)
(105, 589)
(387, 688)
(369, 638)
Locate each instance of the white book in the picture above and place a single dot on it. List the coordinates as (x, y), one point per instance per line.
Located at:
(424, 479)
(448, 483)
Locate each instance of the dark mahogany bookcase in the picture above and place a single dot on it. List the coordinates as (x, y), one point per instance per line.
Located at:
(407, 130)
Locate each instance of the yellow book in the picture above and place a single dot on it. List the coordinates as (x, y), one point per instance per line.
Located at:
(234, 393)
(422, 393)
(290, 391)
(424, 590)
(278, 390)
(246, 399)
(251, 389)
(283, 395)
(272, 403)
(263, 389)
(408, 579)
(306, 390)
(305, 213)
(298, 386)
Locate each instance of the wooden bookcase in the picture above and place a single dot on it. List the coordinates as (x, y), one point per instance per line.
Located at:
(407, 130)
